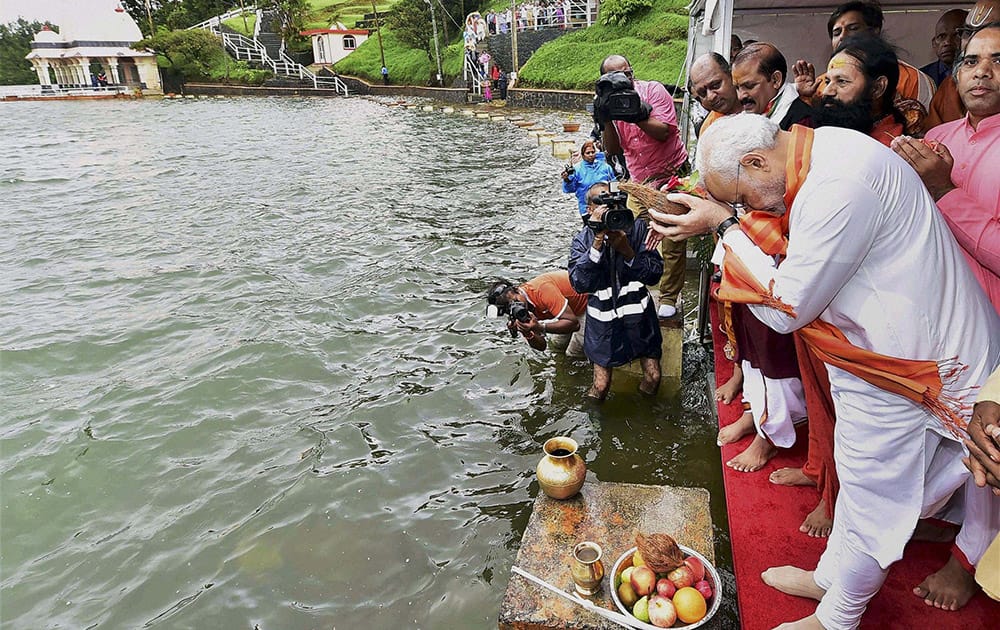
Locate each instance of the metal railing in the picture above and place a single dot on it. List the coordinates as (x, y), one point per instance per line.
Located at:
(244, 48)
(65, 89)
(472, 74)
(212, 23)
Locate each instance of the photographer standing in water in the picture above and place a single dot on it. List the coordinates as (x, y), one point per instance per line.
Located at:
(609, 260)
(544, 310)
(638, 119)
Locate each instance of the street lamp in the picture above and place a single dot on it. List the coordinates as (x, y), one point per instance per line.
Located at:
(437, 53)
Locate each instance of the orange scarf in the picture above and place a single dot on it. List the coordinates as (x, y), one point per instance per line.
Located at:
(923, 382)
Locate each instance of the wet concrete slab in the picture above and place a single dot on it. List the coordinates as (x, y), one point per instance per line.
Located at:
(609, 514)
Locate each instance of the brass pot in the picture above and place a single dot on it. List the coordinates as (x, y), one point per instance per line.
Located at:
(561, 472)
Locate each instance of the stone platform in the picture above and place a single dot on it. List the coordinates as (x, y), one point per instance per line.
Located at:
(609, 514)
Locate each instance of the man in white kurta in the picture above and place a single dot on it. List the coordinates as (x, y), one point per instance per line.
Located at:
(869, 253)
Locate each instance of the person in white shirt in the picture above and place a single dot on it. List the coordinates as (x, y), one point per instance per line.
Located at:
(868, 256)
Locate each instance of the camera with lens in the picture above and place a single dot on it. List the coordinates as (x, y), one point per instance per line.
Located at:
(569, 170)
(617, 98)
(617, 216)
(519, 312)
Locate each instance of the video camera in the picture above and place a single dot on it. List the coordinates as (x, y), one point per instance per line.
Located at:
(519, 312)
(618, 100)
(617, 216)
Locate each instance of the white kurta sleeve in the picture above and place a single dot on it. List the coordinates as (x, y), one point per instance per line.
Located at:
(832, 229)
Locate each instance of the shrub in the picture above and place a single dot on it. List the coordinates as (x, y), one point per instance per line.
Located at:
(619, 12)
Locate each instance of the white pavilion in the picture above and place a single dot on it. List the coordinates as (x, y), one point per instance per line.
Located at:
(94, 38)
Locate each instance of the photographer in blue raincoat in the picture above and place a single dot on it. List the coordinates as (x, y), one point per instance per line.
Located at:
(609, 260)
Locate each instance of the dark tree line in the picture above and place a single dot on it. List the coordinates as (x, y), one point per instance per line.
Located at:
(15, 44)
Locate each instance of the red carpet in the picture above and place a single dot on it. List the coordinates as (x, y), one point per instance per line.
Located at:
(763, 525)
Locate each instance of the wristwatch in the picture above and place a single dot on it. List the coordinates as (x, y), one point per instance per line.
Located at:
(725, 225)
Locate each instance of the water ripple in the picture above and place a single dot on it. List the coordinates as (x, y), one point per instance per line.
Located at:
(247, 376)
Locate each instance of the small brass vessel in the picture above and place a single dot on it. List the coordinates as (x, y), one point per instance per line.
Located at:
(561, 472)
(587, 568)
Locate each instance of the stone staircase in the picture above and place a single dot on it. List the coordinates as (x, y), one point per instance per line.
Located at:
(267, 51)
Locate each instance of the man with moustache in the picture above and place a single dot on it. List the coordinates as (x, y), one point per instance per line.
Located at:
(856, 18)
(960, 173)
(946, 105)
(710, 82)
(759, 75)
(846, 215)
(863, 74)
(945, 44)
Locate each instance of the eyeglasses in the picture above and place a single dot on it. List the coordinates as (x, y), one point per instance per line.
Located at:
(629, 73)
(737, 205)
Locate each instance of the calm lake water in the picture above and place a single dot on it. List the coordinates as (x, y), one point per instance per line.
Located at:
(247, 379)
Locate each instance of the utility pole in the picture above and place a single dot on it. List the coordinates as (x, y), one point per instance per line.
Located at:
(437, 52)
(513, 40)
(378, 30)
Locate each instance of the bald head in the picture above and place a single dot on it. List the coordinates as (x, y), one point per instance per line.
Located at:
(711, 84)
(946, 41)
(614, 63)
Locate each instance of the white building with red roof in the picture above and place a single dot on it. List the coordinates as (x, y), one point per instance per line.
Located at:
(330, 45)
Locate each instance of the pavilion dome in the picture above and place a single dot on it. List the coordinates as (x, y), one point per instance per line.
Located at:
(98, 21)
(47, 36)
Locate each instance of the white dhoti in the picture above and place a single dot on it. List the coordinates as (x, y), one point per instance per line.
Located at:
(876, 512)
(571, 344)
(777, 404)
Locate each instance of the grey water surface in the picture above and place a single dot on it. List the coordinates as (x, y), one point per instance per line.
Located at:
(247, 380)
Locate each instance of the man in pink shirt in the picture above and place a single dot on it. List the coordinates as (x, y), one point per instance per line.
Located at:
(958, 165)
(653, 151)
(959, 168)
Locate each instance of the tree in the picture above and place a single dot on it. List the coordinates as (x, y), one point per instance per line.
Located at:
(410, 22)
(292, 14)
(173, 14)
(191, 54)
(15, 44)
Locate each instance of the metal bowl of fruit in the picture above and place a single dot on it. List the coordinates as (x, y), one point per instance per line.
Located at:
(674, 600)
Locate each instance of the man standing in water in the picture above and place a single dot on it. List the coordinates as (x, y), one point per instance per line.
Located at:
(846, 214)
(614, 267)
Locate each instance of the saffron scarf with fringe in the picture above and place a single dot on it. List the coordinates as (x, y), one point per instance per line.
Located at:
(923, 382)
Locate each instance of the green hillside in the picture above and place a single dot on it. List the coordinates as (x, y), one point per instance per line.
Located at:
(651, 33)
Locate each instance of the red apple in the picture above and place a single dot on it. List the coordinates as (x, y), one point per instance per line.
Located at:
(697, 568)
(681, 576)
(703, 587)
(643, 581)
(661, 612)
(665, 588)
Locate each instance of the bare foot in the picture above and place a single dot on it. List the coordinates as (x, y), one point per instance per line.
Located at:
(754, 457)
(727, 392)
(929, 532)
(806, 623)
(817, 523)
(793, 581)
(734, 432)
(790, 477)
(948, 589)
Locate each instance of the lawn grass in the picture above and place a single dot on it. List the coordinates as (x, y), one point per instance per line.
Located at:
(236, 24)
(654, 40)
